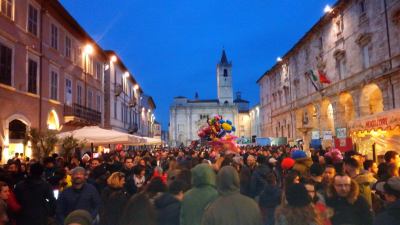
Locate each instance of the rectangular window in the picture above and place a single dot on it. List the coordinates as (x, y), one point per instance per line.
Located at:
(98, 71)
(54, 36)
(341, 66)
(5, 64)
(90, 99)
(32, 76)
(32, 20)
(68, 91)
(122, 111)
(54, 85)
(7, 8)
(365, 55)
(68, 45)
(115, 110)
(362, 6)
(79, 94)
(98, 103)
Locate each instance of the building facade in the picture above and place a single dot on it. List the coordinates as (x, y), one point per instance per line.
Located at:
(339, 81)
(52, 74)
(187, 116)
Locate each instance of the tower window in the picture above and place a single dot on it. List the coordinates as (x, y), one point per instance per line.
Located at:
(225, 72)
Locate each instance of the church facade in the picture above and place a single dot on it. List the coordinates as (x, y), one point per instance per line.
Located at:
(187, 116)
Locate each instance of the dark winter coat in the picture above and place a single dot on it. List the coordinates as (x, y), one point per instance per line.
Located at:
(114, 201)
(245, 178)
(231, 207)
(168, 209)
(269, 199)
(357, 213)
(37, 201)
(258, 181)
(86, 198)
(197, 198)
(390, 216)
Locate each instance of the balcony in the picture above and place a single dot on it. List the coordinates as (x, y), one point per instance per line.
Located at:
(81, 114)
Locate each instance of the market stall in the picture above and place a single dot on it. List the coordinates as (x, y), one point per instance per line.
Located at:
(374, 135)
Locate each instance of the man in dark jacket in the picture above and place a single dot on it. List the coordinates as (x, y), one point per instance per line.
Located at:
(349, 207)
(168, 205)
(391, 190)
(36, 198)
(80, 195)
(258, 181)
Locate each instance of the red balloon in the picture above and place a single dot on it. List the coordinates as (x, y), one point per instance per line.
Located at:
(118, 147)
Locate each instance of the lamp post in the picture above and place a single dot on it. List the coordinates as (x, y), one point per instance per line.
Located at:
(88, 50)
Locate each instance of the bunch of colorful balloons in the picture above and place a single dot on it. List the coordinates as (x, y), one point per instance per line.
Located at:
(218, 134)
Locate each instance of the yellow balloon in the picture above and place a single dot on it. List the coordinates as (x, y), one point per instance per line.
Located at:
(226, 126)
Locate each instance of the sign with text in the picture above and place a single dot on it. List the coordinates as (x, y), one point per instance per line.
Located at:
(315, 135)
(327, 135)
(341, 132)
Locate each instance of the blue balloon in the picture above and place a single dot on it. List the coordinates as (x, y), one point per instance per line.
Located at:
(221, 134)
(221, 121)
(229, 122)
(233, 128)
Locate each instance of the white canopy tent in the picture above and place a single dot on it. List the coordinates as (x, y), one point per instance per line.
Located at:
(152, 141)
(100, 136)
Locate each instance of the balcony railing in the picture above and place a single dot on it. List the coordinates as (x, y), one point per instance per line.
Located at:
(88, 115)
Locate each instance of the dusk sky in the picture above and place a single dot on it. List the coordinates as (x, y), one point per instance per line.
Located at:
(172, 46)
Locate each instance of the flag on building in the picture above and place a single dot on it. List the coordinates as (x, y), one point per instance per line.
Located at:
(322, 77)
(314, 79)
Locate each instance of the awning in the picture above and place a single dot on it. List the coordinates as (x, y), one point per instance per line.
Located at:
(100, 136)
(385, 120)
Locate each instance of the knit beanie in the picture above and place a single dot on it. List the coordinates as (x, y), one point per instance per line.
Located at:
(298, 154)
(287, 163)
(297, 195)
(81, 217)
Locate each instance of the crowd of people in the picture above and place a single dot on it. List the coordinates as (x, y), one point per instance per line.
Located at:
(199, 186)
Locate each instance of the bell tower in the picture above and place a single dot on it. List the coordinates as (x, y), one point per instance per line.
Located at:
(224, 80)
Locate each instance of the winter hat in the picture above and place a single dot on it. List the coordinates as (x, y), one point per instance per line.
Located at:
(78, 170)
(81, 217)
(287, 163)
(298, 154)
(335, 155)
(297, 195)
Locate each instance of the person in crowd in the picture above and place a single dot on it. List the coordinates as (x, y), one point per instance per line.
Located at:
(231, 207)
(245, 175)
(316, 171)
(14, 176)
(258, 181)
(270, 198)
(128, 167)
(35, 197)
(318, 200)
(3, 214)
(392, 157)
(371, 167)
(114, 198)
(298, 210)
(136, 182)
(349, 207)
(364, 180)
(8, 198)
(199, 196)
(79, 217)
(303, 162)
(81, 195)
(139, 211)
(49, 168)
(173, 170)
(155, 188)
(391, 191)
(168, 205)
(328, 175)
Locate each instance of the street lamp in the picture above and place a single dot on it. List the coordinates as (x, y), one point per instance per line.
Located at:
(87, 51)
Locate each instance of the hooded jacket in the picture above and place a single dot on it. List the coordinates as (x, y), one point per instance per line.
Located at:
(196, 199)
(231, 207)
(303, 166)
(365, 181)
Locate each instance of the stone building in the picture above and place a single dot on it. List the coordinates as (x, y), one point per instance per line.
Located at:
(187, 116)
(340, 80)
(52, 73)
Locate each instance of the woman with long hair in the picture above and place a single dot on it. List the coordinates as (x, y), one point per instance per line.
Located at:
(298, 209)
(114, 199)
